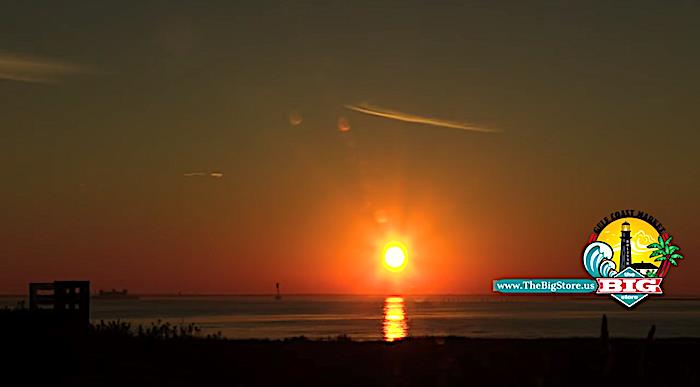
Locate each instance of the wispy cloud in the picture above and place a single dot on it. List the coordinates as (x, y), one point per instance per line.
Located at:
(36, 70)
(204, 174)
(406, 117)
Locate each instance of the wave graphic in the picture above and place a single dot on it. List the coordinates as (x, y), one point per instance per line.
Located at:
(597, 259)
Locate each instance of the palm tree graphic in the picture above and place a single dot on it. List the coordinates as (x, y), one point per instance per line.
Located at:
(666, 253)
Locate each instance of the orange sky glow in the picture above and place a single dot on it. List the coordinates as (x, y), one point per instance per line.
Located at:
(222, 149)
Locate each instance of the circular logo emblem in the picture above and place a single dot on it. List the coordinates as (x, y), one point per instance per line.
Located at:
(629, 253)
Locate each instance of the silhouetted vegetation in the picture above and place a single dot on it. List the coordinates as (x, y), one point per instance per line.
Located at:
(155, 331)
(117, 352)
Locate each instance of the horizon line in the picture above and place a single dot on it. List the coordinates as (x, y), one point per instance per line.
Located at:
(8, 295)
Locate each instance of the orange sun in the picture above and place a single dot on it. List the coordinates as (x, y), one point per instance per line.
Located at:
(394, 256)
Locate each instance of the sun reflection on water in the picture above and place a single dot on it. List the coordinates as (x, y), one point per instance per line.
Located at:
(394, 326)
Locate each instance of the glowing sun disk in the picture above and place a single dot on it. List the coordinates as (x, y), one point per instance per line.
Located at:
(394, 256)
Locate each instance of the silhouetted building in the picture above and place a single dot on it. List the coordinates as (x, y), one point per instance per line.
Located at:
(66, 300)
(625, 247)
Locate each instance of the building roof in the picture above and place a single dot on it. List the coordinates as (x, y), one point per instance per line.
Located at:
(643, 265)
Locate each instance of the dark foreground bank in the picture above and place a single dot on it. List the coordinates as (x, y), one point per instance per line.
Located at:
(164, 355)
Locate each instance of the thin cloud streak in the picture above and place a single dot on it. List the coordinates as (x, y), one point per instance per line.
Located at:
(35, 70)
(216, 175)
(406, 117)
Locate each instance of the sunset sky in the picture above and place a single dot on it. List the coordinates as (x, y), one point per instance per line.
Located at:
(114, 115)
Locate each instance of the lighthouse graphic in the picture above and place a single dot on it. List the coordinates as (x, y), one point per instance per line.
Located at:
(625, 247)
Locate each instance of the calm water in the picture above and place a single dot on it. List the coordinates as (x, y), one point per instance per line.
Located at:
(372, 318)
